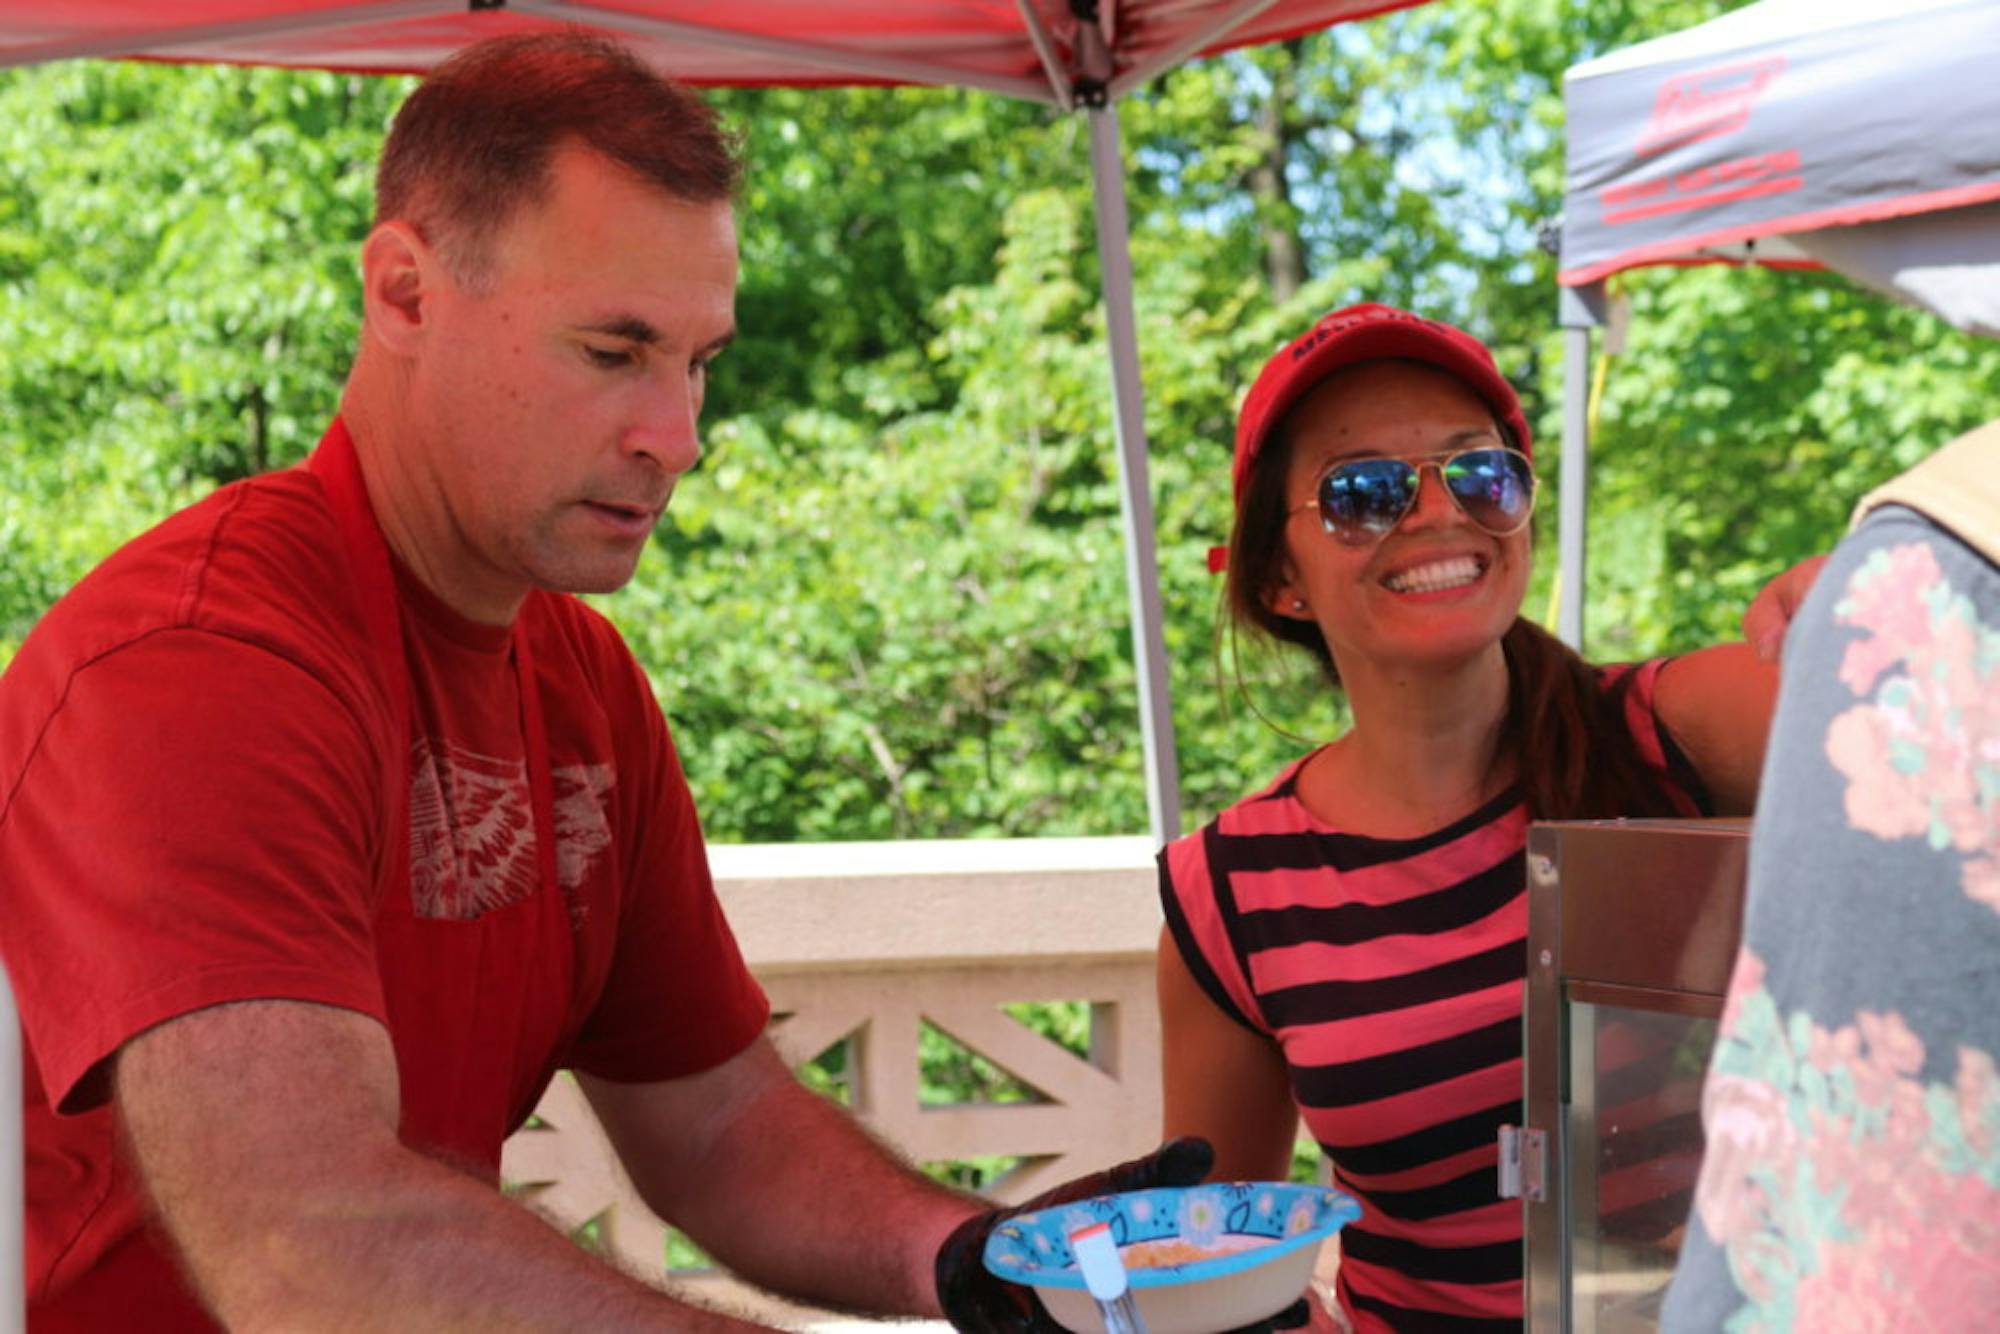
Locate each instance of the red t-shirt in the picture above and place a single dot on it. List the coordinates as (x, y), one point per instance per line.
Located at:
(209, 792)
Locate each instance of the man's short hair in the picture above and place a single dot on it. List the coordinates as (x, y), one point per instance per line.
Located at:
(473, 143)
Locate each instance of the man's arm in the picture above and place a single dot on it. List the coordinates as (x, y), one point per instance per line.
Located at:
(265, 1132)
(781, 1185)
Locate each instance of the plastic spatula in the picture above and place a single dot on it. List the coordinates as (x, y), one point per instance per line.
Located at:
(1104, 1274)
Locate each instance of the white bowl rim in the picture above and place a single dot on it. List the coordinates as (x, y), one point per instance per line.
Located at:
(1341, 1209)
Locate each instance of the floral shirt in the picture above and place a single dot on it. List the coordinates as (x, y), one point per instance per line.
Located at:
(1852, 1173)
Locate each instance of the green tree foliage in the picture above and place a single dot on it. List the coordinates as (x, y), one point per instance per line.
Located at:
(890, 602)
(177, 253)
(924, 611)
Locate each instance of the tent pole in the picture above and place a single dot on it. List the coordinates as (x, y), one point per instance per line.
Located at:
(1145, 70)
(1045, 51)
(13, 1167)
(1578, 310)
(1142, 571)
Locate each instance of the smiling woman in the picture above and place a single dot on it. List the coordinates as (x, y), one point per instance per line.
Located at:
(1347, 944)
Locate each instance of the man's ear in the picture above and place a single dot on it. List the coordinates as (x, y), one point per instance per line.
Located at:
(399, 277)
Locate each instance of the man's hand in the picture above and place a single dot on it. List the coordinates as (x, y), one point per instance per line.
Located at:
(1771, 611)
(980, 1302)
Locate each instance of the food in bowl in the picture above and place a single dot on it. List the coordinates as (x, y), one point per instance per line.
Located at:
(1153, 1254)
(1198, 1259)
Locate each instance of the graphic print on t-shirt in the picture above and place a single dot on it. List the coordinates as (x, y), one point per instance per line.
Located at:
(472, 830)
(582, 831)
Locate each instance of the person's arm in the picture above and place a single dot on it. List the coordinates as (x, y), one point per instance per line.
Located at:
(265, 1135)
(781, 1185)
(1717, 702)
(1770, 612)
(1222, 1081)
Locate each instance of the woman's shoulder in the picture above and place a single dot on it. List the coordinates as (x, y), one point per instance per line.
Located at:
(1642, 674)
(1273, 807)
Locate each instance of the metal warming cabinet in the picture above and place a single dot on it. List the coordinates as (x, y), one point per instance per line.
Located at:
(1632, 930)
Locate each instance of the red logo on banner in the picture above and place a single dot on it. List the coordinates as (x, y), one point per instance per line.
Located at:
(1706, 103)
(1758, 174)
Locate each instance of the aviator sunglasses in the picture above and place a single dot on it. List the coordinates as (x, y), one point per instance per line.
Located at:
(1360, 500)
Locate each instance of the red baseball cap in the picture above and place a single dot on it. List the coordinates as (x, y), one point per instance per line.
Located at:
(1361, 333)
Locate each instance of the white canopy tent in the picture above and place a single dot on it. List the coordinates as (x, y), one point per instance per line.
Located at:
(1840, 134)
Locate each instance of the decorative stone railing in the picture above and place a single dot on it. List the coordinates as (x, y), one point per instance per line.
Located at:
(865, 943)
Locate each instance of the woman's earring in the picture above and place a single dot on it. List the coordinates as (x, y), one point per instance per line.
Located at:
(1298, 604)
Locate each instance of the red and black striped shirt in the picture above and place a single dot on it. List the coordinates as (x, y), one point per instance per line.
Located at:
(1389, 971)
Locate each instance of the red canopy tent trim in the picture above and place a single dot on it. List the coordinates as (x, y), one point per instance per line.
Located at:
(1023, 48)
(1738, 244)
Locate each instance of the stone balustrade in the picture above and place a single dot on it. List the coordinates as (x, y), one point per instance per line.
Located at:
(866, 944)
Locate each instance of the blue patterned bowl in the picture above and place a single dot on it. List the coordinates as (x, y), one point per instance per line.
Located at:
(1198, 1258)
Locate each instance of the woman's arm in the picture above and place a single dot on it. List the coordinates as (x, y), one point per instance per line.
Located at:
(1770, 613)
(1717, 702)
(1221, 1080)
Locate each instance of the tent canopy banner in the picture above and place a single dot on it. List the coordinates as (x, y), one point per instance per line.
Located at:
(1850, 135)
(1780, 118)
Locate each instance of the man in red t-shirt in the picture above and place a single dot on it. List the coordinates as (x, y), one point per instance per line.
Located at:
(331, 827)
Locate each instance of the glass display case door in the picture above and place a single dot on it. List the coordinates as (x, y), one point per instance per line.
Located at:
(1632, 933)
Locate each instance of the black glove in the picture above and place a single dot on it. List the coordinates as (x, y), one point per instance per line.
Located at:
(978, 1301)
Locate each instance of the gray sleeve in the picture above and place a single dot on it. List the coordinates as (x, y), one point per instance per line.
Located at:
(1851, 1111)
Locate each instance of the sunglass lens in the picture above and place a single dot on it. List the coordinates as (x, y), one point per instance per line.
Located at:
(1495, 488)
(1361, 500)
